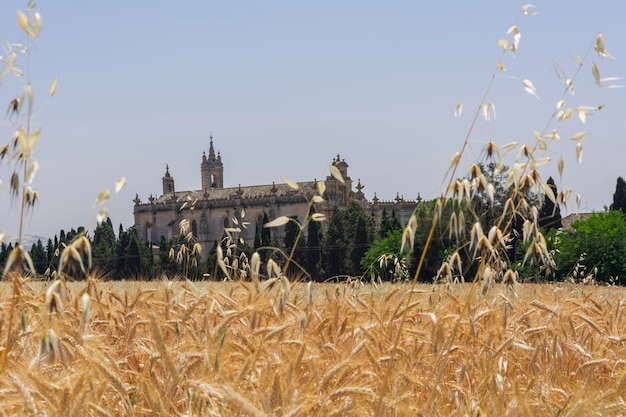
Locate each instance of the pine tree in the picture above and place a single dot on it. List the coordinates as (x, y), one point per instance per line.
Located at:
(619, 197)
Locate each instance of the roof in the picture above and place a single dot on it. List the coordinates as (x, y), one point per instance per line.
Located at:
(571, 218)
(305, 189)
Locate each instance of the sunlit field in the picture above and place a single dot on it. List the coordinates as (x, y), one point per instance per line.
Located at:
(482, 341)
(289, 349)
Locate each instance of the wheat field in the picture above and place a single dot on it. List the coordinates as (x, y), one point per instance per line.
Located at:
(277, 348)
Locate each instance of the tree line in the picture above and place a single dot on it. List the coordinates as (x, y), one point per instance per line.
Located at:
(354, 245)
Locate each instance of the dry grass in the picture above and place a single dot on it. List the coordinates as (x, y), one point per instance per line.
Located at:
(283, 349)
(229, 349)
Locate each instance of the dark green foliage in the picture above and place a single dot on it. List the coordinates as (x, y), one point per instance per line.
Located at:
(210, 263)
(619, 197)
(360, 246)
(50, 249)
(120, 251)
(341, 240)
(292, 232)
(38, 256)
(137, 257)
(103, 247)
(257, 237)
(480, 209)
(335, 246)
(601, 240)
(4, 253)
(550, 213)
(132, 261)
(167, 265)
(439, 246)
(388, 223)
(389, 245)
(313, 248)
(266, 232)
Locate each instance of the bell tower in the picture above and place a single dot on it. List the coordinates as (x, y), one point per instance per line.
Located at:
(212, 169)
(168, 181)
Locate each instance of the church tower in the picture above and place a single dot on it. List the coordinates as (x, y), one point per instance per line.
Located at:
(212, 169)
(168, 181)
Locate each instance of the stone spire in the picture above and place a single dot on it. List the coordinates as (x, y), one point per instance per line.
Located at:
(168, 181)
(212, 168)
(211, 149)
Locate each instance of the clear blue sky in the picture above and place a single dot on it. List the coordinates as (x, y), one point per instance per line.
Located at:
(286, 85)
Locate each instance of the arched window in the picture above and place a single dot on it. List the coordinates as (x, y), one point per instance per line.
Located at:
(194, 228)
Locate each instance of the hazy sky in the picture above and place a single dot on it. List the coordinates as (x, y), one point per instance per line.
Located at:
(285, 86)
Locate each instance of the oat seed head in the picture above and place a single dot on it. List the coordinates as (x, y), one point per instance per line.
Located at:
(336, 174)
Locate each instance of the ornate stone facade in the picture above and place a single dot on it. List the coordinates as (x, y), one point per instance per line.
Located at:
(216, 207)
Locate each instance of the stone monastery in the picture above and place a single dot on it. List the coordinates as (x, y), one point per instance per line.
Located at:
(217, 207)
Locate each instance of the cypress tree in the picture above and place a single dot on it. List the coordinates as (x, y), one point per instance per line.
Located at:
(314, 249)
(619, 197)
(132, 263)
(550, 213)
(335, 246)
(38, 256)
(50, 248)
(361, 245)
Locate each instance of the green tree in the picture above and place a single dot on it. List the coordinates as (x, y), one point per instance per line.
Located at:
(341, 240)
(121, 248)
(388, 246)
(266, 232)
(132, 261)
(599, 239)
(359, 247)
(335, 246)
(166, 264)
(314, 248)
(292, 230)
(619, 197)
(440, 245)
(50, 249)
(4, 253)
(103, 247)
(257, 237)
(210, 263)
(388, 223)
(38, 256)
(550, 213)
